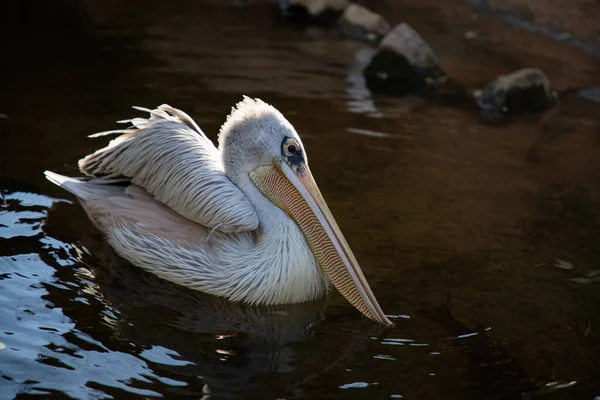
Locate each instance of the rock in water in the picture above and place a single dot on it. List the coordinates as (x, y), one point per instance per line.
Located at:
(525, 90)
(591, 94)
(404, 63)
(319, 12)
(358, 22)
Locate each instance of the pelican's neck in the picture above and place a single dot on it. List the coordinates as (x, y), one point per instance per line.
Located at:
(288, 269)
(272, 219)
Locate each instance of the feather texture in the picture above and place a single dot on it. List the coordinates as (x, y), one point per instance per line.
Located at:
(273, 265)
(180, 190)
(169, 156)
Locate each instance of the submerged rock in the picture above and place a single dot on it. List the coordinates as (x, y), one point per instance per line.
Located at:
(404, 63)
(319, 12)
(525, 90)
(591, 94)
(358, 22)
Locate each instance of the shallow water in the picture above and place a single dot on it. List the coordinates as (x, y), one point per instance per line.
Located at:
(481, 242)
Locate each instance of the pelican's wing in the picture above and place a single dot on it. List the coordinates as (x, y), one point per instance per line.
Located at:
(131, 207)
(169, 156)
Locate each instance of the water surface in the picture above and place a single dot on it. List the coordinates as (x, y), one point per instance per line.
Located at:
(481, 242)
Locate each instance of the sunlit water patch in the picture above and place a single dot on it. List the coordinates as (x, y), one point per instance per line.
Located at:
(43, 349)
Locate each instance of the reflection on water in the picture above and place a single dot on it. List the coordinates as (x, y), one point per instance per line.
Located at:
(136, 331)
(480, 241)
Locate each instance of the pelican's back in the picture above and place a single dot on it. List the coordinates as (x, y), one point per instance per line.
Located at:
(172, 159)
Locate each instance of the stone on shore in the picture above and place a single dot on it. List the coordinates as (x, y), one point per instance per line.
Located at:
(403, 64)
(525, 90)
(360, 23)
(319, 12)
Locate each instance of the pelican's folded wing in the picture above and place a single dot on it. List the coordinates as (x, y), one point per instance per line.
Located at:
(170, 157)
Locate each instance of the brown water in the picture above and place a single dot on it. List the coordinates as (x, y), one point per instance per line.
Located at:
(481, 242)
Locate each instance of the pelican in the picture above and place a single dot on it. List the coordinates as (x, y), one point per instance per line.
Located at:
(244, 221)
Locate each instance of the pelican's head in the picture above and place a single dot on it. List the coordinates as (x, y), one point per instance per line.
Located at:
(259, 143)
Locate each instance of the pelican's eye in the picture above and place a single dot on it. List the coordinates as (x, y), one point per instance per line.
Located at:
(291, 147)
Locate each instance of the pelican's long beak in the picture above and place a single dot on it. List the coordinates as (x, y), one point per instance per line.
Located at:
(294, 190)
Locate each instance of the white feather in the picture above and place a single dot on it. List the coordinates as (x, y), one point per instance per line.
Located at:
(267, 262)
(271, 266)
(170, 157)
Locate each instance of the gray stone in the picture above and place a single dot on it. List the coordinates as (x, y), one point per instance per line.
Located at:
(320, 12)
(404, 63)
(525, 90)
(591, 94)
(358, 22)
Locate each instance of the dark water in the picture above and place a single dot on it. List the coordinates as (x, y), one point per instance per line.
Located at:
(482, 242)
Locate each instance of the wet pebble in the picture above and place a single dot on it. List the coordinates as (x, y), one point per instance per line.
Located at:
(355, 385)
(594, 274)
(403, 64)
(360, 23)
(582, 280)
(590, 277)
(563, 264)
(591, 94)
(470, 34)
(525, 90)
(319, 12)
